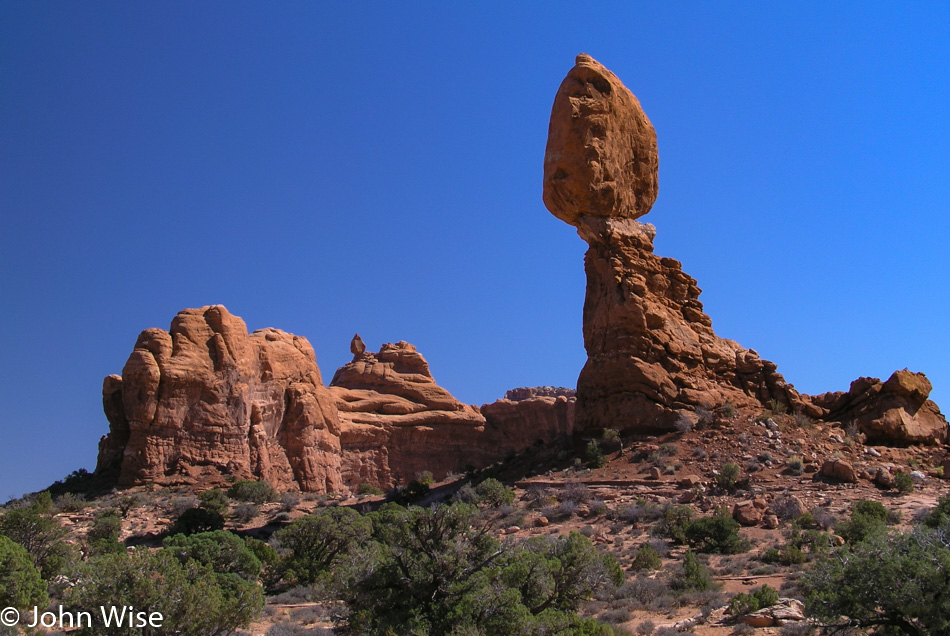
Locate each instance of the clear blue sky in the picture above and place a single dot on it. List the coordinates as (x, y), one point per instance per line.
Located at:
(326, 168)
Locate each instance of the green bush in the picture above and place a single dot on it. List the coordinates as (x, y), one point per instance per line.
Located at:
(440, 571)
(867, 518)
(196, 520)
(694, 576)
(258, 492)
(675, 520)
(887, 584)
(728, 476)
(718, 534)
(903, 482)
(21, 585)
(493, 493)
(224, 552)
(368, 489)
(742, 604)
(192, 599)
(311, 545)
(103, 536)
(34, 528)
(593, 455)
(795, 465)
(646, 558)
(215, 500)
(939, 516)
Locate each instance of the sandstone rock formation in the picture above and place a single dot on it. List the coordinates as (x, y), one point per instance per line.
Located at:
(893, 412)
(207, 399)
(652, 354)
(397, 422)
(653, 358)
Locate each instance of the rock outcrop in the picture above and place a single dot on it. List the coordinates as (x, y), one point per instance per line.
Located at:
(653, 357)
(652, 354)
(206, 399)
(893, 412)
(397, 422)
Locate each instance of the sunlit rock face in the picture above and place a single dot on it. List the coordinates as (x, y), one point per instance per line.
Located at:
(652, 354)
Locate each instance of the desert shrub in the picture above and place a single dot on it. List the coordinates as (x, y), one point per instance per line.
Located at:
(683, 424)
(940, 515)
(823, 518)
(743, 630)
(292, 629)
(675, 520)
(867, 518)
(311, 545)
(128, 503)
(192, 599)
(802, 420)
(215, 500)
(21, 585)
(195, 520)
(718, 534)
(647, 558)
(245, 511)
(693, 575)
(103, 536)
(224, 552)
(742, 604)
(34, 528)
(593, 455)
(440, 570)
(258, 492)
(611, 437)
(368, 489)
(178, 505)
(728, 476)
(425, 478)
(795, 465)
(615, 616)
(903, 482)
(70, 502)
(574, 491)
(645, 628)
(887, 584)
(493, 493)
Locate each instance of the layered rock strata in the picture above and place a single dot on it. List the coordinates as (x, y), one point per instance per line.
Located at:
(206, 399)
(398, 422)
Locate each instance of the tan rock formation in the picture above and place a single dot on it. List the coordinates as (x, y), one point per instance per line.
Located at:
(206, 399)
(893, 412)
(652, 354)
(601, 156)
(398, 422)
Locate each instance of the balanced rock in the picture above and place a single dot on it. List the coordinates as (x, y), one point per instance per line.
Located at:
(206, 400)
(601, 157)
(652, 352)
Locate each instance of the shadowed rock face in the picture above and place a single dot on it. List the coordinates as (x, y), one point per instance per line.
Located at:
(653, 357)
(207, 399)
